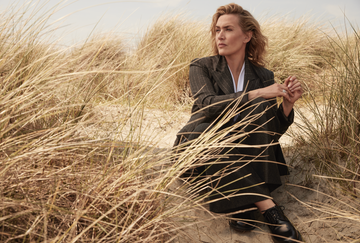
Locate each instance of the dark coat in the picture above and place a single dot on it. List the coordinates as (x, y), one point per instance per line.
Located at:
(212, 88)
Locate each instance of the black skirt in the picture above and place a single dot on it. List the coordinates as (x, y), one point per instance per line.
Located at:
(241, 176)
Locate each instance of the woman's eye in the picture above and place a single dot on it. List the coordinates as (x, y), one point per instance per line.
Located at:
(229, 29)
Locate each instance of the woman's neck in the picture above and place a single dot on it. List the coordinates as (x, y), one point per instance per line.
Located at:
(235, 63)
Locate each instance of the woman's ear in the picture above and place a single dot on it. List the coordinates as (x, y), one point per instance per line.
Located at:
(248, 36)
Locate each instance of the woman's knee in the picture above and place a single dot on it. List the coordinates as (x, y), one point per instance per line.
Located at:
(260, 105)
(199, 129)
(260, 102)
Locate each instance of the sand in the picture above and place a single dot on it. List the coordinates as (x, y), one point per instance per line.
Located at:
(301, 190)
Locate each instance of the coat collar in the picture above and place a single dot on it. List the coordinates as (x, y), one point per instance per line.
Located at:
(221, 69)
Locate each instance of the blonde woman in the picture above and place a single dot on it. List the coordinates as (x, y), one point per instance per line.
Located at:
(236, 73)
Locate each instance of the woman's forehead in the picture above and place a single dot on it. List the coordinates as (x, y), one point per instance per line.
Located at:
(227, 20)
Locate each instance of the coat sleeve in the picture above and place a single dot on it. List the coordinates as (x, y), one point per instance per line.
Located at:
(283, 121)
(206, 92)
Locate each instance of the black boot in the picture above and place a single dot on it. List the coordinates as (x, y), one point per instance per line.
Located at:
(281, 226)
(242, 224)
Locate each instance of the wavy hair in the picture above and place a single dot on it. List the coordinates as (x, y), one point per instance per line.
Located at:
(256, 47)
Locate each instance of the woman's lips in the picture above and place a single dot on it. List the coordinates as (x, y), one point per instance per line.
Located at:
(221, 45)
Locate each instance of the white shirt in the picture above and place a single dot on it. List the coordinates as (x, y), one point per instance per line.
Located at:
(241, 78)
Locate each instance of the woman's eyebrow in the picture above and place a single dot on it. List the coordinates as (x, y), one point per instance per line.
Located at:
(226, 26)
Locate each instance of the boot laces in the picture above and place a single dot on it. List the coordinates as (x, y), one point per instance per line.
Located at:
(276, 213)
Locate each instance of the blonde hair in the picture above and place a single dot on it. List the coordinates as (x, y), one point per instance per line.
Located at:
(255, 48)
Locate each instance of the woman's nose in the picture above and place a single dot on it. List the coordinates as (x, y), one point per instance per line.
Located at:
(221, 35)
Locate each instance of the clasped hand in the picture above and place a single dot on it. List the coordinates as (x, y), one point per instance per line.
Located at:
(290, 90)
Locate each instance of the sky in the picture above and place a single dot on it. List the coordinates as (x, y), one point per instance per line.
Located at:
(132, 18)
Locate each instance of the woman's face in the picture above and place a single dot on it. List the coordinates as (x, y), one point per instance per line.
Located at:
(230, 39)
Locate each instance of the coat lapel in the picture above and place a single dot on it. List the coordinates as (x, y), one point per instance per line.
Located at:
(251, 81)
(222, 76)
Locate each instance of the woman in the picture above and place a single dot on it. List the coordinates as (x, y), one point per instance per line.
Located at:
(236, 76)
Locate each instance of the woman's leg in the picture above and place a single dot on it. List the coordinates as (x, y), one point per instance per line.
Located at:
(265, 205)
(245, 221)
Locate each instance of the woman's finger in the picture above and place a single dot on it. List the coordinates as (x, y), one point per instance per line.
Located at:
(287, 81)
(285, 92)
(296, 89)
(285, 89)
(287, 97)
(296, 86)
(290, 81)
(292, 78)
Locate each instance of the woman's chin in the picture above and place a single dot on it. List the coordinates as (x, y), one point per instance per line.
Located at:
(222, 53)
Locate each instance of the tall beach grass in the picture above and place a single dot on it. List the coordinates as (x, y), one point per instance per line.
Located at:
(69, 173)
(61, 179)
(329, 132)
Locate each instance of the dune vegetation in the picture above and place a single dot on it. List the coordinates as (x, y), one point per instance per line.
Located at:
(69, 173)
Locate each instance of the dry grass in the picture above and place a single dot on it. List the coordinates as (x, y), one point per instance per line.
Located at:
(58, 183)
(165, 52)
(62, 183)
(331, 141)
(296, 47)
(335, 134)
